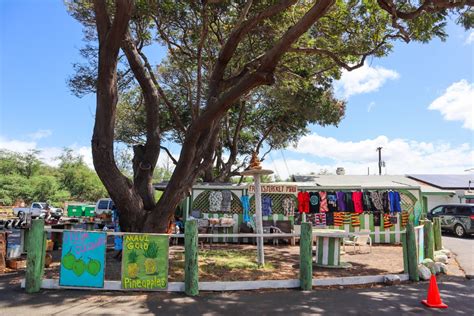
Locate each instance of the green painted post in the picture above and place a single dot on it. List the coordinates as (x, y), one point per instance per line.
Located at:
(405, 252)
(36, 251)
(438, 245)
(429, 239)
(412, 253)
(306, 257)
(191, 271)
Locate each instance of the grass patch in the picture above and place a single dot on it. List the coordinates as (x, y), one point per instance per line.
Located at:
(231, 259)
(224, 264)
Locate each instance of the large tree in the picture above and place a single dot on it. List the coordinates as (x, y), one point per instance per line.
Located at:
(224, 51)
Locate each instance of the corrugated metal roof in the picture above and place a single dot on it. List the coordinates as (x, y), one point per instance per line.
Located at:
(445, 181)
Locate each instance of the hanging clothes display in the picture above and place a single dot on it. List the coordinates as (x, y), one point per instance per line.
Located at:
(288, 205)
(355, 220)
(332, 201)
(303, 202)
(357, 199)
(226, 201)
(267, 206)
(323, 202)
(215, 201)
(341, 202)
(313, 202)
(246, 208)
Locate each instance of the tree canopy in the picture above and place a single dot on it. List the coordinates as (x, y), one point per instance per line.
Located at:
(275, 61)
(23, 176)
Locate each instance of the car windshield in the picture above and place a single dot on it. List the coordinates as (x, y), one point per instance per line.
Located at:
(43, 205)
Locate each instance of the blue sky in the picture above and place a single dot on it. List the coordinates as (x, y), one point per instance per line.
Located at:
(387, 101)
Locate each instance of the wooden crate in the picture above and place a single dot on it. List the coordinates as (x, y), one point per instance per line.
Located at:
(16, 263)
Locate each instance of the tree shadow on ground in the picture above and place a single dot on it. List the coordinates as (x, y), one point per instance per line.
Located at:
(403, 299)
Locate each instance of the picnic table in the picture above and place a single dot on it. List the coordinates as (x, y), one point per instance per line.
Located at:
(328, 248)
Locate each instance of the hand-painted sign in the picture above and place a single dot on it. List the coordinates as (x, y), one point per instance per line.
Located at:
(145, 262)
(275, 188)
(83, 259)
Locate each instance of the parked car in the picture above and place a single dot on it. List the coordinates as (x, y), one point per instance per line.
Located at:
(456, 218)
(37, 209)
(104, 208)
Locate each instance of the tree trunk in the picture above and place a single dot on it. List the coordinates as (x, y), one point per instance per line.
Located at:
(196, 156)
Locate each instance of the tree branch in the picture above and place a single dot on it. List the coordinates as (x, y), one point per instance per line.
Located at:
(175, 162)
(239, 31)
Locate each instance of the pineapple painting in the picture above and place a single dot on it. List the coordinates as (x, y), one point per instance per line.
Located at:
(133, 267)
(150, 255)
(145, 261)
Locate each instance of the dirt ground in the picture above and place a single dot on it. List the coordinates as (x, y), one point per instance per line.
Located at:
(282, 262)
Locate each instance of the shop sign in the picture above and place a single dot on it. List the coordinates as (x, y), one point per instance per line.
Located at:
(145, 262)
(275, 189)
(83, 259)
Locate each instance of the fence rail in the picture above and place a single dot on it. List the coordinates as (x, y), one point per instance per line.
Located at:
(230, 235)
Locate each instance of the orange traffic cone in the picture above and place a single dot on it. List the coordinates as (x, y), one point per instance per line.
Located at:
(434, 300)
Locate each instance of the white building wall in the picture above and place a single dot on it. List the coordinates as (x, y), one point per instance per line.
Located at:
(435, 200)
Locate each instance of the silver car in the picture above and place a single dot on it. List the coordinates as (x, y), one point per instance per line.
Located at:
(456, 218)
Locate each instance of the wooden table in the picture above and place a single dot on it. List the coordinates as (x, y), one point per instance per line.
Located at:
(328, 248)
(211, 229)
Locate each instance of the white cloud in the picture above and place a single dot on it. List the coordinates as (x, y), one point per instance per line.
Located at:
(401, 156)
(457, 103)
(47, 154)
(470, 39)
(42, 133)
(363, 80)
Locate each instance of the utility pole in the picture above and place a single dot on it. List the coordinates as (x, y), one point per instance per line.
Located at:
(379, 149)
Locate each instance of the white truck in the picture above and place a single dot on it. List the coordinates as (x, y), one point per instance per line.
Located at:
(37, 209)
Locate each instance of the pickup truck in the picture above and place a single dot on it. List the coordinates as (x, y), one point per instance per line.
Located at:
(37, 209)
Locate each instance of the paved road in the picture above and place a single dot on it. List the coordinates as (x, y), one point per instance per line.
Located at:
(380, 300)
(464, 250)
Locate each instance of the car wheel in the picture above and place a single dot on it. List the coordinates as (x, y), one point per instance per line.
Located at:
(21, 215)
(459, 230)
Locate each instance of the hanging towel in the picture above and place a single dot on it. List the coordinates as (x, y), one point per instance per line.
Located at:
(357, 199)
(226, 201)
(329, 219)
(341, 203)
(338, 218)
(347, 218)
(323, 202)
(288, 205)
(349, 202)
(332, 201)
(405, 217)
(313, 202)
(303, 202)
(246, 208)
(386, 221)
(215, 201)
(395, 205)
(267, 206)
(377, 219)
(355, 220)
(377, 200)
